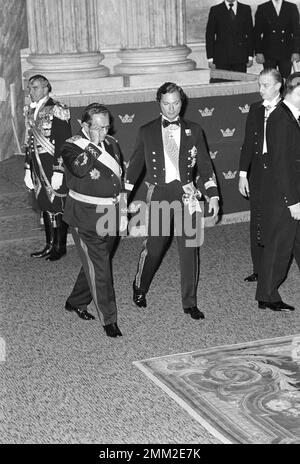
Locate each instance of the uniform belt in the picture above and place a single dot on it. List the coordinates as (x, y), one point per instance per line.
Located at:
(94, 200)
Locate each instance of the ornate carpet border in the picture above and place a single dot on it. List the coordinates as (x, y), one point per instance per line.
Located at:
(210, 428)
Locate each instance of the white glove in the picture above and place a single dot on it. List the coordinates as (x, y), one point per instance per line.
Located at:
(28, 179)
(295, 211)
(57, 180)
(123, 223)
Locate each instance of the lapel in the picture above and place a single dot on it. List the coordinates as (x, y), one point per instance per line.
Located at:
(225, 15)
(283, 10)
(286, 108)
(271, 11)
(157, 138)
(184, 138)
(260, 121)
(238, 10)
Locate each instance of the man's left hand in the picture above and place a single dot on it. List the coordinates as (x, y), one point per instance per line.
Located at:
(295, 57)
(295, 211)
(213, 206)
(249, 64)
(56, 180)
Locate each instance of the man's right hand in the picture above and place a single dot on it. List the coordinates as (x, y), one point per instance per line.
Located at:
(244, 186)
(211, 65)
(28, 180)
(260, 59)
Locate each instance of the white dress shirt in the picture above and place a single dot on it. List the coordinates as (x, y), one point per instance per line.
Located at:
(277, 5)
(171, 172)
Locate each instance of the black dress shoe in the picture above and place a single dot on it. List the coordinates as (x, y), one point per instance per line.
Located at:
(54, 255)
(139, 297)
(82, 313)
(276, 306)
(43, 253)
(112, 330)
(194, 312)
(251, 278)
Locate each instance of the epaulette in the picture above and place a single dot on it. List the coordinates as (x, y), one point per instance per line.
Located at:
(111, 138)
(61, 111)
(74, 138)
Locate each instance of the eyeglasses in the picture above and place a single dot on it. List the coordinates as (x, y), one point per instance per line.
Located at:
(100, 129)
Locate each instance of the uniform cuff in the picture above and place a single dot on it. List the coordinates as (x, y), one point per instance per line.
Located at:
(128, 186)
(243, 173)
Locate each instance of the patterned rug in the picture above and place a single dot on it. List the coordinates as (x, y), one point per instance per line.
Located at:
(244, 393)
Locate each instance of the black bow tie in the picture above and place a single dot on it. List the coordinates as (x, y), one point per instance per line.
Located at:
(166, 123)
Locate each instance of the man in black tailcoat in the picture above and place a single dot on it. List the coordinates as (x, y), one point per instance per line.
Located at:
(254, 154)
(281, 198)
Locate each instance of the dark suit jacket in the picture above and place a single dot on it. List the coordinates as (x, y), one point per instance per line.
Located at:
(277, 37)
(282, 181)
(251, 159)
(227, 41)
(193, 157)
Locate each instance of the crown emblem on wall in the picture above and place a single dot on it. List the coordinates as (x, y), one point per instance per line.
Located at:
(228, 132)
(213, 154)
(206, 112)
(229, 175)
(244, 109)
(126, 118)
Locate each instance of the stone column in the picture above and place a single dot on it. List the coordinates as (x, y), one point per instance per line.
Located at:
(153, 37)
(63, 43)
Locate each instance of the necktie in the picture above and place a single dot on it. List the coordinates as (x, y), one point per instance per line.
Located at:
(171, 148)
(166, 123)
(231, 12)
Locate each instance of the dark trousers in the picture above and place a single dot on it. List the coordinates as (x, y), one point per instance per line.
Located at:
(284, 66)
(154, 247)
(239, 67)
(94, 281)
(276, 258)
(255, 247)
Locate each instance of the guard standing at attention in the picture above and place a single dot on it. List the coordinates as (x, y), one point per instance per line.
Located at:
(47, 127)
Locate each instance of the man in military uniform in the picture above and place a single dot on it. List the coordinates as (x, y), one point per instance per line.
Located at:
(173, 151)
(254, 157)
(277, 35)
(93, 176)
(47, 126)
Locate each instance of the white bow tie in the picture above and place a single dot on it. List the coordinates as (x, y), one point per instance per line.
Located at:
(267, 103)
(33, 105)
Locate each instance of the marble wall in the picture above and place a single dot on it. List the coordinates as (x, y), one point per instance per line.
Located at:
(13, 37)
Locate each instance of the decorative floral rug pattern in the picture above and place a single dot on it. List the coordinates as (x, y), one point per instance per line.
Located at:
(245, 393)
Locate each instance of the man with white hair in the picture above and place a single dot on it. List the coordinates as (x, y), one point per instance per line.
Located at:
(281, 194)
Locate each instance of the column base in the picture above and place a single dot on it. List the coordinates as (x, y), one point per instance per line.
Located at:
(68, 71)
(154, 60)
(196, 76)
